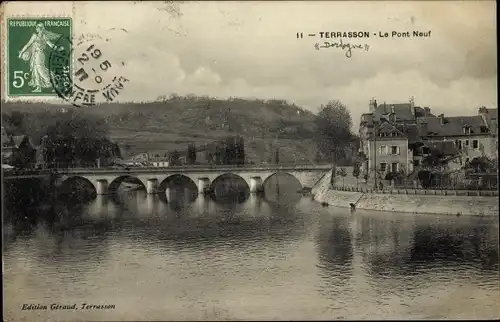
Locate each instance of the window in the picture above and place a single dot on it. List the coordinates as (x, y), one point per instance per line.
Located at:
(394, 167)
(475, 144)
(394, 149)
(383, 166)
(383, 150)
(416, 163)
(458, 144)
(466, 142)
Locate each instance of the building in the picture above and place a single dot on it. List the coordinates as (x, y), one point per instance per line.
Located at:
(397, 137)
(388, 151)
(490, 117)
(391, 130)
(471, 135)
(159, 162)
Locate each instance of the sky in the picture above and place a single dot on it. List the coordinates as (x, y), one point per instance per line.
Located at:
(250, 50)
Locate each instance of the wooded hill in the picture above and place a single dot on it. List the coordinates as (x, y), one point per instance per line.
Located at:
(173, 123)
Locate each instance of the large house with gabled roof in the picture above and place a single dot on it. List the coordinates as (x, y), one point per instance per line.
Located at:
(389, 151)
(395, 137)
(472, 135)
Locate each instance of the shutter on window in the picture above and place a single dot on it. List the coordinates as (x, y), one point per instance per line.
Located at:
(397, 150)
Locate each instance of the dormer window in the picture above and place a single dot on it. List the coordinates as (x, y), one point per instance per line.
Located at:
(466, 129)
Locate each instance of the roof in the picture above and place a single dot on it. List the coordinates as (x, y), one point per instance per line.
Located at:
(18, 139)
(420, 112)
(367, 117)
(403, 111)
(490, 116)
(411, 131)
(389, 130)
(453, 126)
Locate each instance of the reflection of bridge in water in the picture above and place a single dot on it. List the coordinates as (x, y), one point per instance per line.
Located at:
(154, 180)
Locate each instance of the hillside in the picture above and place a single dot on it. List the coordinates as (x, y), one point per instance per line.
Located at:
(159, 127)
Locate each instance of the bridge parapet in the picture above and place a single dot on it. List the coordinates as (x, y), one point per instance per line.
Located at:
(107, 180)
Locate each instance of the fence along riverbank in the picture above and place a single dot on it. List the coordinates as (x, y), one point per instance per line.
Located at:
(450, 202)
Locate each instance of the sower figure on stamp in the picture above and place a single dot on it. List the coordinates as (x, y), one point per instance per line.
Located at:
(33, 52)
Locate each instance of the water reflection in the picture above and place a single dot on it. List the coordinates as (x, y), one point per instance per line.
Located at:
(335, 255)
(283, 189)
(257, 258)
(229, 188)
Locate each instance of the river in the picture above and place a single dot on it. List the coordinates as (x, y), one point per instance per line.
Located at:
(280, 256)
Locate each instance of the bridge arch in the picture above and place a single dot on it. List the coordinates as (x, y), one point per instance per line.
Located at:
(116, 182)
(174, 179)
(171, 190)
(279, 173)
(229, 175)
(77, 179)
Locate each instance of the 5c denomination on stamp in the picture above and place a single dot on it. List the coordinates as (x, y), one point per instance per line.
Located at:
(30, 41)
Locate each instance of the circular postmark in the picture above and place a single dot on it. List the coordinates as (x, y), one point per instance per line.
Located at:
(82, 74)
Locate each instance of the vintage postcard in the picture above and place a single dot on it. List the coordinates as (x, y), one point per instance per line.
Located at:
(249, 160)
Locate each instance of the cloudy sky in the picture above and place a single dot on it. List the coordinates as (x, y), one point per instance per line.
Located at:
(250, 49)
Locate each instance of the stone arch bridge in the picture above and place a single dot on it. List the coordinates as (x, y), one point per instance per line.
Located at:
(107, 181)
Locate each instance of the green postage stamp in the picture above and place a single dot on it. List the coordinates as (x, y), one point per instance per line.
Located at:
(30, 45)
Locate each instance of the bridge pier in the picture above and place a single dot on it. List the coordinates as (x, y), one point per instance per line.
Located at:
(102, 187)
(255, 184)
(152, 186)
(203, 186)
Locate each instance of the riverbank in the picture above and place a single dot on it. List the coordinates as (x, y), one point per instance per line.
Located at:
(403, 201)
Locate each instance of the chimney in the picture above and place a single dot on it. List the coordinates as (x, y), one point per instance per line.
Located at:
(412, 105)
(441, 118)
(393, 111)
(373, 105)
(427, 111)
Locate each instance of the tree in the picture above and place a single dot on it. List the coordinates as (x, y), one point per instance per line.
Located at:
(482, 165)
(174, 158)
(435, 159)
(240, 150)
(230, 150)
(191, 154)
(334, 124)
(425, 178)
(356, 171)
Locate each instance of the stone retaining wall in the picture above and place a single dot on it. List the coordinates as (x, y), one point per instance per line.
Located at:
(475, 203)
(429, 192)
